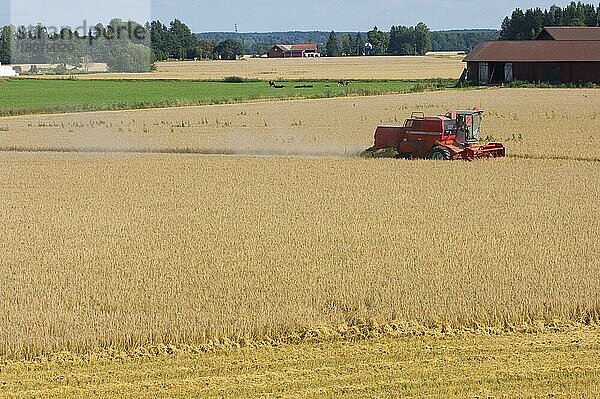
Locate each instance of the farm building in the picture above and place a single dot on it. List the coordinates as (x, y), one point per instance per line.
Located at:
(6, 70)
(293, 51)
(566, 33)
(557, 55)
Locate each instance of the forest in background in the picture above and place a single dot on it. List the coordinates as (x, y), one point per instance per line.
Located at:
(526, 25)
(450, 40)
(134, 47)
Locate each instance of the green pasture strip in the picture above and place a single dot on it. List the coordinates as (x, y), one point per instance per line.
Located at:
(36, 96)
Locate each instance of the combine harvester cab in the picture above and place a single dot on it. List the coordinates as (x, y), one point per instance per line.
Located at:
(455, 135)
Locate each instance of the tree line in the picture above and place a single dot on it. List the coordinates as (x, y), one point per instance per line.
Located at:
(178, 42)
(405, 40)
(123, 46)
(130, 46)
(400, 40)
(526, 25)
(261, 42)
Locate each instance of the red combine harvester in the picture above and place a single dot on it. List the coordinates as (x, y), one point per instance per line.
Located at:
(453, 136)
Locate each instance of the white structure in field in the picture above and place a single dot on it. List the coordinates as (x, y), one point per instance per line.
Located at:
(6, 70)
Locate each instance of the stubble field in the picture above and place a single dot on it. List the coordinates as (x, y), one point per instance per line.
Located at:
(270, 230)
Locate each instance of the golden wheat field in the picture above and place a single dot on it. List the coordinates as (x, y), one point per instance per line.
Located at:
(119, 270)
(433, 66)
(543, 123)
(133, 250)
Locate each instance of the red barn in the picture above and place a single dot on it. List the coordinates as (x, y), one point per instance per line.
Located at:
(557, 55)
(566, 33)
(293, 51)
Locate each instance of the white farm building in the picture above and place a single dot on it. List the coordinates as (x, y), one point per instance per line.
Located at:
(6, 70)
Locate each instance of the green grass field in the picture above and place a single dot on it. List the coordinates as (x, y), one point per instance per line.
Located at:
(32, 96)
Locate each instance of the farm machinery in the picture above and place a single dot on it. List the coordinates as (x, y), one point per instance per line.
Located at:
(455, 135)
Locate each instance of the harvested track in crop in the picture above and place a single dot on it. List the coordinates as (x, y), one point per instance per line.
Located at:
(199, 151)
(533, 123)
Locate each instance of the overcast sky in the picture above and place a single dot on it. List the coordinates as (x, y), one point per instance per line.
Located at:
(265, 15)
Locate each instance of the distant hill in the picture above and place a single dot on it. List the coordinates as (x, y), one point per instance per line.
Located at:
(453, 40)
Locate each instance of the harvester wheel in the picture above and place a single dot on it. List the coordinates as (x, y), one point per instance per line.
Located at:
(439, 153)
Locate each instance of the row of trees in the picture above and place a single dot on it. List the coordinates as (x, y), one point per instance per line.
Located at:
(124, 46)
(526, 25)
(344, 44)
(155, 41)
(6, 44)
(400, 40)
(132, 46)
(261, 42)
(178, 42)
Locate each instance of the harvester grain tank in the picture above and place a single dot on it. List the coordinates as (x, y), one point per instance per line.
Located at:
(455, 135)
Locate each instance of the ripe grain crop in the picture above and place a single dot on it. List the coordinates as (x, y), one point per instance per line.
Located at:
(125, 251)
(446, 67)
(533, 123)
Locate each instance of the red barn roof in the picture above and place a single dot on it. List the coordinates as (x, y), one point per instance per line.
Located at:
(570, 33)
(536, 51)
(305, 47)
